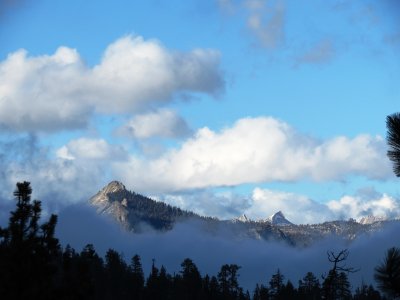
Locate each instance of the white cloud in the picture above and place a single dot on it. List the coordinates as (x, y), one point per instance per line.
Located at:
(257, 150)
(296, 208)
(162, 123)
(59, 91)
(85, 148)
(358, 207)
(301, 210)
(207, 203)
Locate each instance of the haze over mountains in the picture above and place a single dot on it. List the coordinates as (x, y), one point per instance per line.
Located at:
(137, 213)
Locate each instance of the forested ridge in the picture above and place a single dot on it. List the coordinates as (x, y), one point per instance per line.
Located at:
(33, 265)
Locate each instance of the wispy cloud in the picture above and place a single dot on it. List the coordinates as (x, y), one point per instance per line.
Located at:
(162, 123)
(59, 91)
(321, 53)
(266, 21)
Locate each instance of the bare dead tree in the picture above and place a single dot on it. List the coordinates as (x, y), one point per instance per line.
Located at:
(336, 282)
(338, 261)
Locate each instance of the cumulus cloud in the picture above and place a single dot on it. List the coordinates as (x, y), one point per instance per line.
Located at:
(162, 123)
(254, 150)
(85, 148)
(358, 207)
(59, 91)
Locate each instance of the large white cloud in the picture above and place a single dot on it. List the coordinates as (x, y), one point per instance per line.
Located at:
(257, 150)
(58, 91)
(381, 205)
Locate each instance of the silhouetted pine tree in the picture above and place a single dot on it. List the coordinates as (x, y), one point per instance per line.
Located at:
(137, 281)
(261, 292)
(387, 274)
(191, 281)
(29, 251)
(117, 276)
(309, 287)
(336, 284)
(159, 284)
(276, 285)
(213, 290)
(228, 282)
(289, 291)
(365, 292)
(93, 265)
(393, 140)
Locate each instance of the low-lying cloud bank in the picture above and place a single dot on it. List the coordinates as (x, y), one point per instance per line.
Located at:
(259, 259)
(298, 209)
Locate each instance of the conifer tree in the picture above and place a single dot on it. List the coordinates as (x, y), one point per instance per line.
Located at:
(191, 280)
(276, 285)
(365, 292)
(117, 275)
(228, 281)
(387, 274)
(393, 140)
(309, 287)
(28, 250)
(137, 277)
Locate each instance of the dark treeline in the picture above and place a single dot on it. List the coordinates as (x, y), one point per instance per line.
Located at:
(33, 265)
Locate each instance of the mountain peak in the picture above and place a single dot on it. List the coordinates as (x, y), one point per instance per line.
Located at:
(243, 218)
(279, 219)
(114, 186)
(101, 199)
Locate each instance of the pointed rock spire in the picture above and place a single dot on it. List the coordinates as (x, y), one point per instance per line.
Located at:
(279, 219)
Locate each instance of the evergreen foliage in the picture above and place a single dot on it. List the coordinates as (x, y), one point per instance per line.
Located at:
(28, 250)
(387, 274)
(393, 140)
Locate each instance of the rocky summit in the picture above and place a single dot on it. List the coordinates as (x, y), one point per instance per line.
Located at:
(137, 213)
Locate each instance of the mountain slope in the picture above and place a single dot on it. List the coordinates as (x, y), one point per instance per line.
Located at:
(136, 213)
(133, 211)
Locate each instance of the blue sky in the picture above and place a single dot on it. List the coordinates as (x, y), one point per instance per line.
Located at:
(221, 106)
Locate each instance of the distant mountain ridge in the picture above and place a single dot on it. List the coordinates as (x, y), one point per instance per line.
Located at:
(136, 213)
(133, 210)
